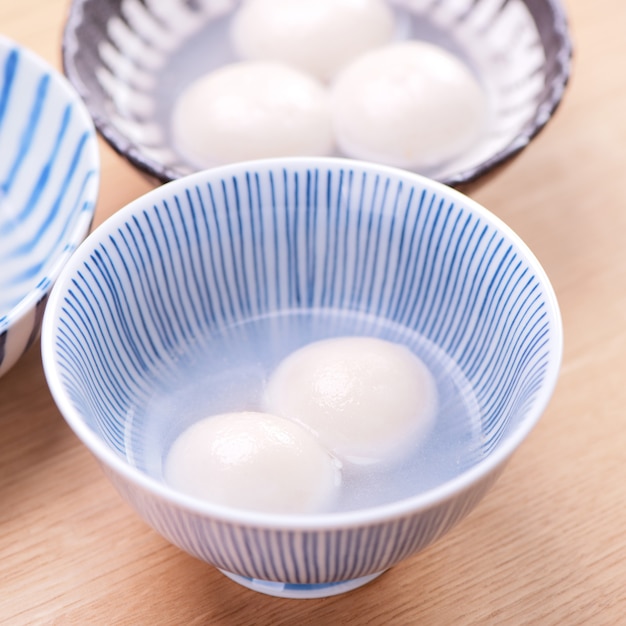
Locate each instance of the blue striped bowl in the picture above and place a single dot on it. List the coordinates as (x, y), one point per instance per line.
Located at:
(220, 247)
(49, 177)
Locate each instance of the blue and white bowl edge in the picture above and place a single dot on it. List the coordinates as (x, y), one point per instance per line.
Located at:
(79, 184)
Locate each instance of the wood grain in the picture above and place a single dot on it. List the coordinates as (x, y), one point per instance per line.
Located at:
(547, 545)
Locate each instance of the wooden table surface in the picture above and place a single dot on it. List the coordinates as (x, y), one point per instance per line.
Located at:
(548, 543)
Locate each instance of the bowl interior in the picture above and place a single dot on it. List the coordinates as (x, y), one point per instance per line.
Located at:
(130, 64)
(179, 305)
(48, 177)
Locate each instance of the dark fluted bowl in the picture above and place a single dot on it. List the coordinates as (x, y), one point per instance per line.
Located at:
(130, 60)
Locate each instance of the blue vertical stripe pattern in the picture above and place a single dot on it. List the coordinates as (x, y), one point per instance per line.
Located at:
(222, 246)
(49, 177)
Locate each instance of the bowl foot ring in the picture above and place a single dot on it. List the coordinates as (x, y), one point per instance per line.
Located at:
(300, 591)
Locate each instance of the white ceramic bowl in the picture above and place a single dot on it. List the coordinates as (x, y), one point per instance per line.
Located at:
(49, 176)
(130, 60)
(312, 248)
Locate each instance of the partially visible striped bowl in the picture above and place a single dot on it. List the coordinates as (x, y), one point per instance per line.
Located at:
(220, 247)
(49, 178)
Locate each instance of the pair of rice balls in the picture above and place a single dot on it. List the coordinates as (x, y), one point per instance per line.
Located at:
(354, 400)
(322, 75)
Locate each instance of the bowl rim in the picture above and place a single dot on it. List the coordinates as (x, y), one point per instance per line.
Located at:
(155, 170)
(80, 229)
(305, 522)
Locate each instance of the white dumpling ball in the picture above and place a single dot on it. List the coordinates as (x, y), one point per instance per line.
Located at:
(409, 104)
(252, 110)
(254, 461)
(367, 399)
(317, 36)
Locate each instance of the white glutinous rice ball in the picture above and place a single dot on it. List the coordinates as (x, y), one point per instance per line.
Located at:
(254, 461)
(410, 104)
(252, 110)
(367, 399)
(317, 36)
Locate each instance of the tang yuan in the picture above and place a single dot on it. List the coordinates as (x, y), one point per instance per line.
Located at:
(409, 104)
(366, 398)
(317, 36)
(252, 110)
(254, 461)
